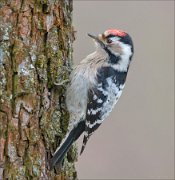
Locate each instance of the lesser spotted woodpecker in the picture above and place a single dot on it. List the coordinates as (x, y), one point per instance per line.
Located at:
(95, 87)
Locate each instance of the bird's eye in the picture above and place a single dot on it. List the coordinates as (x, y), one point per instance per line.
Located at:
(109, 40)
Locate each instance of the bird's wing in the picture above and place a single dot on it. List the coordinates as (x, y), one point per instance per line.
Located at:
(96, 99)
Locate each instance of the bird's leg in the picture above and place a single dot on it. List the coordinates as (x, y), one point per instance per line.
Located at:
(63, 73)
(62, 83)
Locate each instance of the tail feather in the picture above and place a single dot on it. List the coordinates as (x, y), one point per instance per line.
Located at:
(85, 139)
(73, 136)
(60, 153)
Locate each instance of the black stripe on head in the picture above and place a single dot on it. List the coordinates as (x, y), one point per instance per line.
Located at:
(113, 59)
(127, 40)
(110, 36)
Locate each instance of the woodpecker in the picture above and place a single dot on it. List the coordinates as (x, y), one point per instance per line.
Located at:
(95, 87)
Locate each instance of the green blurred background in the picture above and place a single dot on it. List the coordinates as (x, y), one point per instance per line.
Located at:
(137, 139)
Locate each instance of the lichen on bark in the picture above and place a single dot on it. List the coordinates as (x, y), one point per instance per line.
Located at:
(35, 54)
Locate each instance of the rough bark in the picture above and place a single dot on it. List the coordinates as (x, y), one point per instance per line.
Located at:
(35, 53)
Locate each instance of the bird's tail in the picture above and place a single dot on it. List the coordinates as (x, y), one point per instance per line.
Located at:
(62, 150)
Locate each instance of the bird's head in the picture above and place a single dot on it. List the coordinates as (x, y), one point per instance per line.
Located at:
(116, 41)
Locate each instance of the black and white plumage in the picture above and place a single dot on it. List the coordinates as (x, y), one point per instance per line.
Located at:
(95, 87)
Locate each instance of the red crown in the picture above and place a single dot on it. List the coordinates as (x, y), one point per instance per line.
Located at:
(115, 32)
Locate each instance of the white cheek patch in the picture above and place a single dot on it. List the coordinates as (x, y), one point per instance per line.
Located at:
(124, 62)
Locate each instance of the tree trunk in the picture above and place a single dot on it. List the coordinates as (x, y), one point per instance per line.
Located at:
(35, 53)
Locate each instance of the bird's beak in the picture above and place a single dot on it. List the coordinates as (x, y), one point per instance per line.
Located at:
(96, 38)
